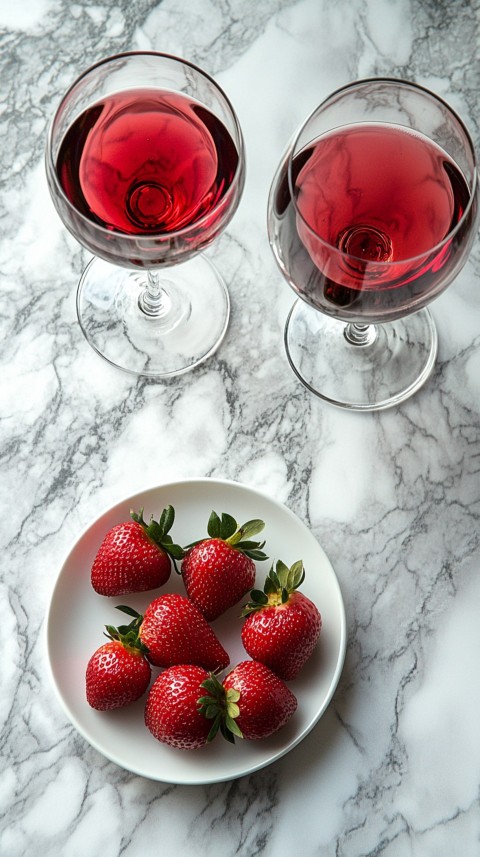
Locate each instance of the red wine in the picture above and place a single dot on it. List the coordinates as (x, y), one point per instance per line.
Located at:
(146, 161)
(372, 205)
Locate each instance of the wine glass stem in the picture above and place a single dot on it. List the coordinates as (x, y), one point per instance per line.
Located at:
(360, 334)
(154, 299)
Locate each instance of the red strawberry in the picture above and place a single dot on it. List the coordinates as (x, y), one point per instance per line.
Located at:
(135, 556)
(171, 710)
(282, 626)
(218, 571)
(175, 632)
(117, 674)
(252, 702)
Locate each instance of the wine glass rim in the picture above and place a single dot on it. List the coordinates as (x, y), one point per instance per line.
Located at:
(407, 83)
(139, 238)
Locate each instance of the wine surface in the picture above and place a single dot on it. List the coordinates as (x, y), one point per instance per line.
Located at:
(146, 161)
(372, 204)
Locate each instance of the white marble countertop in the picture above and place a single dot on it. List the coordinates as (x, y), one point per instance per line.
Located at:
(392, 768)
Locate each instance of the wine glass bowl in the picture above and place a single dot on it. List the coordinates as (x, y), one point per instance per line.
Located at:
(372, 213)
(145, 165)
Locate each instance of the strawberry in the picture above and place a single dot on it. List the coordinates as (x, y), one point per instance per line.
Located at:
(174, 631)
(282, 625)
(171, 709)
(118, 672)
(135, 556)
(218, 571)
(251, 702)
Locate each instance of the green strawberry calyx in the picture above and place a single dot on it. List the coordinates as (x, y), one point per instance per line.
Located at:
(221, 707)
(158, 532)
(280, 582)
(128, 635)
(240, 538)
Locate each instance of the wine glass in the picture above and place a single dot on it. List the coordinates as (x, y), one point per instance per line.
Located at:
(371, 214)
(145, 164)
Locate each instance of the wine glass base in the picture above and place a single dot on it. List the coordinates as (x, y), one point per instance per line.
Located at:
(384, 372)
(186, 332)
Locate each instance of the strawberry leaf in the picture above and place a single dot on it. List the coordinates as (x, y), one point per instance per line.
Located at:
(282, 573)
(228, 526)
(157, 531)
(210, 710)
(226, 732)
(166, 519)
(232, 727)
(280, 582)
(220, 706)
(245, 545)
(271, 586)
(233, 695)
(273, 581)
(122, 629)
(128, 610)
(232, 710)
(257, 555)
(128, 635)
(259, 597)
(112, 633)
(227, 529)
(252, 528)
(221, 528)
(204, 700)
(212, 684)
(246, 531)
(214, 729)
(298, 573)
(176, 552)
(214, 526)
